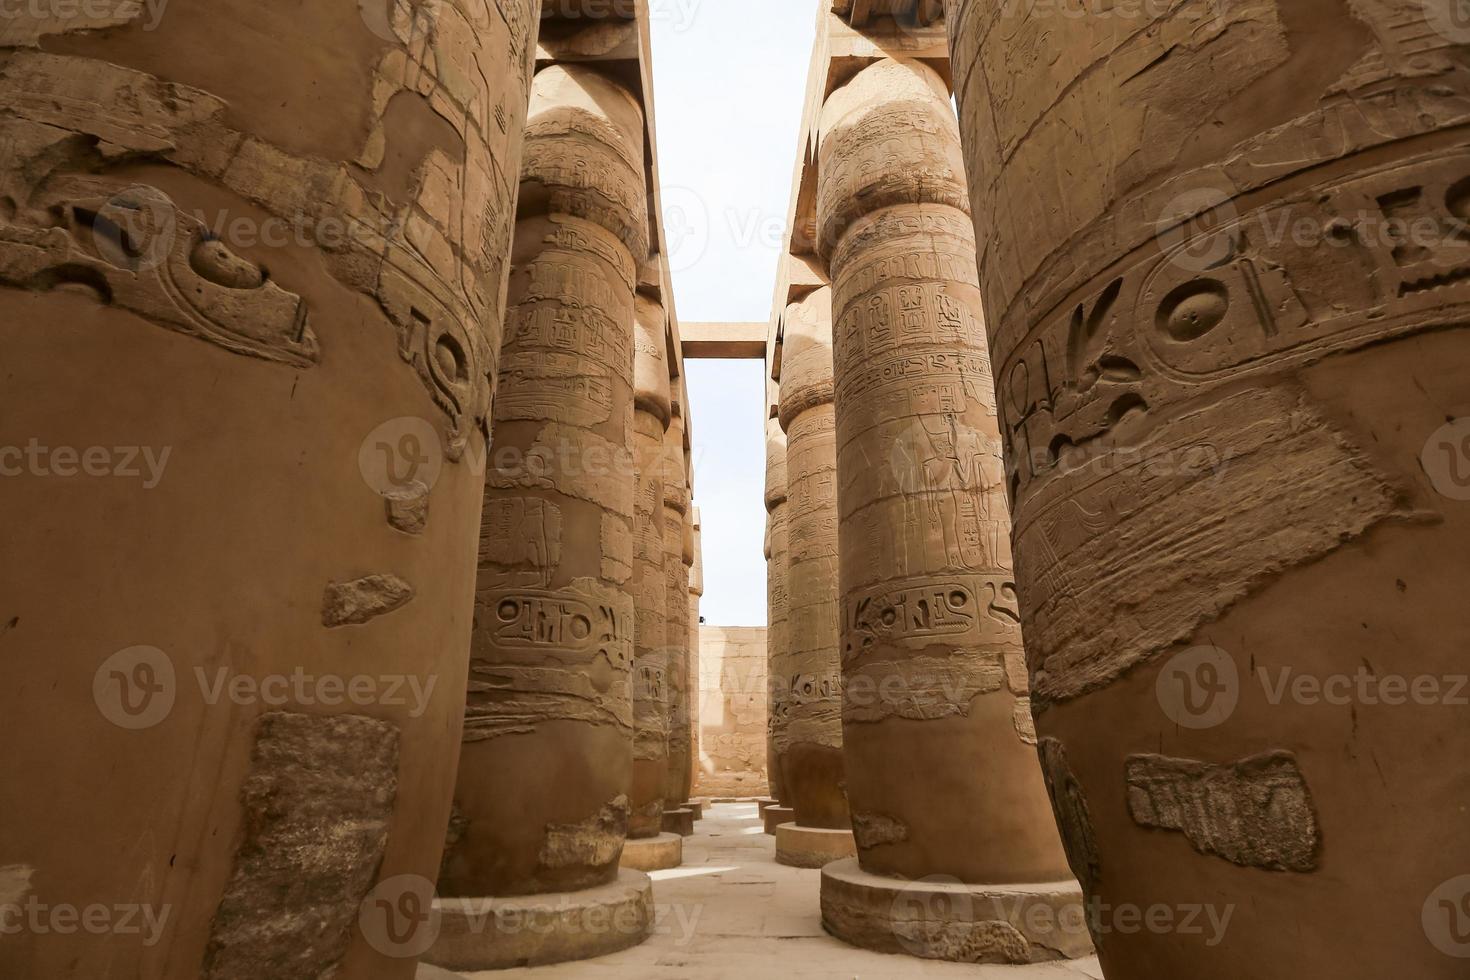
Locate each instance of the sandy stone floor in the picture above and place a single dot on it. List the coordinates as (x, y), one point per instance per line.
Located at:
(732, 912)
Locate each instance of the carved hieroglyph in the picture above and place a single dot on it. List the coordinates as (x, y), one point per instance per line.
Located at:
(549, 725)
(1223, 256)
(676, 582)
(778, 644)
(651, 404)
(263, 245)
(809, 741)
(929, 621)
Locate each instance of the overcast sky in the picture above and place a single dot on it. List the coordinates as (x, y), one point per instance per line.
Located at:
(729, 80)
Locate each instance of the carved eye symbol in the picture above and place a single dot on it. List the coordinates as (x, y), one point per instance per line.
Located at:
(1193, 309)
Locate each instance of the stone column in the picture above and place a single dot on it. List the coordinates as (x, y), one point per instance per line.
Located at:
(547, 766)
(932, 661)
(778, 654)
(676, 581)
(252, 269)
(1224, 266)
(652, 411)
(811, 745)
(696, 591)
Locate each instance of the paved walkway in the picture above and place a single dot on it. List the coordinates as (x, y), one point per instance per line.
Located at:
(732, 913)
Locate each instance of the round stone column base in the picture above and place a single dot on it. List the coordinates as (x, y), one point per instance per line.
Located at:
(946, 920)
(534, 930)
(765, 803)
(697, 806)
(653, 853)
(680, 821)
(775, 815)
(812, 847)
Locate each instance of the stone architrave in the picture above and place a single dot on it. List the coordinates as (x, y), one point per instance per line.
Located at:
(652, 411)
(542, 803)
(1224, 267)
(253, 262)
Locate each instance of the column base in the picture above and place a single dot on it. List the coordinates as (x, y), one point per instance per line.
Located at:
(697, 806)
(765, 803)
(653, 853)
(947, 920)
(534, 930)
(812, 847)
(680, 821)
(775, 815)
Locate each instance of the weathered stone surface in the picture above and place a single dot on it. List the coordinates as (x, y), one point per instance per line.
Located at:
(812, 847)
(360, 600)
(1225, 367)
(778, 631)
(928, 617)
(528, 930)
(1257, 813)
(260, 236)
(809, 737)
(408, 507)
(652, 411)
(676, 621)
(317, 802)
(732, 732)
(939, 918)
(550, 717)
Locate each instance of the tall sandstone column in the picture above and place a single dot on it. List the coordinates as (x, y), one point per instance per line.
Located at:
(696, 593)
(812, 771)
(777, 634)
(652, 412)
(547, 766)
(937, 731)
(1222, 251)
(261, 249)
(676, 581)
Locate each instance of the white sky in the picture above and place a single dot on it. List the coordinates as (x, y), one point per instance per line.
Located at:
(729, 80)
